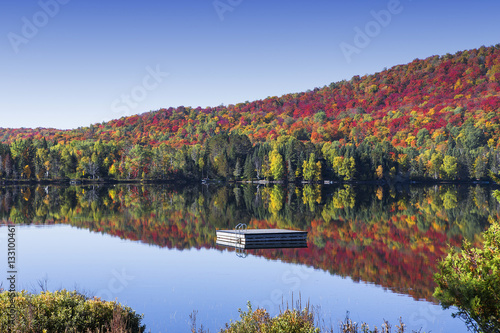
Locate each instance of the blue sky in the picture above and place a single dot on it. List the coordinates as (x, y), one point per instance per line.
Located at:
(71, 63)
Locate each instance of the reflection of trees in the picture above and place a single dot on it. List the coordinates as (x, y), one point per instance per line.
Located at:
(275, 199)
(388, 236)
(449, 199)
(311, 196)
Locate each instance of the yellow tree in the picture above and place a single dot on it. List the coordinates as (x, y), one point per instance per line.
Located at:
(309, 168)
(317, 171)
(380, 172)
(344, 167)
(276, 164)
(27, 172)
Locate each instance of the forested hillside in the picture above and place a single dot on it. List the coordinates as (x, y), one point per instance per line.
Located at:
(436, 118)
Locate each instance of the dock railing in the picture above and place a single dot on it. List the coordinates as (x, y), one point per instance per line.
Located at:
(240, 227)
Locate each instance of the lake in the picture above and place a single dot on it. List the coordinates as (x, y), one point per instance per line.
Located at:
(372, 251)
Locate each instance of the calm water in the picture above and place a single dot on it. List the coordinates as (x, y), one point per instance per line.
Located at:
(371, 251)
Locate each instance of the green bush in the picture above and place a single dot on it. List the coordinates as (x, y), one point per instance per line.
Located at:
(64, 311)
(470, 280)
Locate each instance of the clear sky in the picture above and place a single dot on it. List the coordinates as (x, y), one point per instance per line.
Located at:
(71, 63)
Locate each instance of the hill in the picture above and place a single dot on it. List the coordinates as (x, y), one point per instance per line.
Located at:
(435, 118)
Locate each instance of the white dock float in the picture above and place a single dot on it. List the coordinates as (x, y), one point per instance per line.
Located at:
(262, 238)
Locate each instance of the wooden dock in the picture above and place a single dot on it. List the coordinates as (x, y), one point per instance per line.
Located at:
(262, 238)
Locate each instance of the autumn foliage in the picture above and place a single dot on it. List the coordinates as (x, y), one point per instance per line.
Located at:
(436, 118)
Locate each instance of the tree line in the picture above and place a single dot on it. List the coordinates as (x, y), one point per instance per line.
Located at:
(462, 155)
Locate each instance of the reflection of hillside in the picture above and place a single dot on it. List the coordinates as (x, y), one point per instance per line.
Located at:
(401, 260)
(376, 235)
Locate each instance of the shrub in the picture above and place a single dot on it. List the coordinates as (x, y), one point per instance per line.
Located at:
(291, 321)
(294, 321)
(470, 280)
(65, 311)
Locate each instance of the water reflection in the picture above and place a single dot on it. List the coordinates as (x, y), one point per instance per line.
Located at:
(388, 236)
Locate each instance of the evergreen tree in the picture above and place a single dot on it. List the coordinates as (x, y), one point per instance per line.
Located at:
(290, 172)
(237, 170)
(248, 169)
(480, 167)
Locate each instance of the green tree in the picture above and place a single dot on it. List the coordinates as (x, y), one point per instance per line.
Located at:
(470, 280)
(422, 136)
(496, 194)
(449, 167)
(320, 116)
(69, 162)
(471, 137)
(434, 165)
(480, 167)
(23, 153)
(248, 169)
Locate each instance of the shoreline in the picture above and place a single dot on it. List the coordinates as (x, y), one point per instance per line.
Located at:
(80, 182)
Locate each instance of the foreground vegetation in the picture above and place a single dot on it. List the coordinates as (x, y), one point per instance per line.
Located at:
(295, 320)
(71, 312)
(470, 280)
(64, 311)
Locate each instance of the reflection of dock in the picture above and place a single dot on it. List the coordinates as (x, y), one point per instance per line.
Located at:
(262, 238)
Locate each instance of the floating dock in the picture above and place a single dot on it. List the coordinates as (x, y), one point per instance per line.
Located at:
(262, 238)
